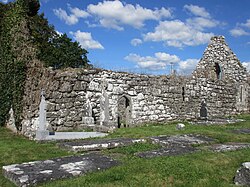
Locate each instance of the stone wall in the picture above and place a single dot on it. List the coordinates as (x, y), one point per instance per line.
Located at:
(79, 98)
(103, 100)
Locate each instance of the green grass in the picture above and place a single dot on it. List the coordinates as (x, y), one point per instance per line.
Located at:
(17, 149)
(203, 168)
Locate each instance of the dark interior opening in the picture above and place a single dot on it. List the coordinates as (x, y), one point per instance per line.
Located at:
(183, 94)
(123, 107)
(218, 70)
(94, 116)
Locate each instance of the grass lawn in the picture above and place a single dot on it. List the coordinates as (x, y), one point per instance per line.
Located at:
(203, 168)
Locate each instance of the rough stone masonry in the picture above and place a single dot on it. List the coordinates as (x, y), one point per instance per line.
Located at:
(104, 100)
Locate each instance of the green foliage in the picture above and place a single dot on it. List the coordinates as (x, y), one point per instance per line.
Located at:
(62, 53)
(57, 51)
(24, 37)
(12, 62)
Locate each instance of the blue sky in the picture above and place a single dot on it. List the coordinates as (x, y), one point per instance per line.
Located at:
(146, 36)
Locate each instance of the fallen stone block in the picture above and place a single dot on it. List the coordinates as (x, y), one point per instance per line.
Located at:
(229, 147)
(242, 176)
(218, 121)
(170, 151)
(93, 145)
(180, 126)
(32, 173)
(185, 139)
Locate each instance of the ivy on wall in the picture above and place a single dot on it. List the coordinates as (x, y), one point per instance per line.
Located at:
(26, 37)
(16, 51)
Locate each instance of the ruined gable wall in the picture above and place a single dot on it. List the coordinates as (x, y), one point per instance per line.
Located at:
(219, 52)
(78, 98)
(220, 80)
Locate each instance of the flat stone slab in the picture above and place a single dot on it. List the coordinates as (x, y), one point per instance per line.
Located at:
(170, 151)
(216, 121)
(74, 135)
(185, 139)
(229, 147)
(241, 131)
(242, 176)
(32, 173)
(175, 145)
(93, 145)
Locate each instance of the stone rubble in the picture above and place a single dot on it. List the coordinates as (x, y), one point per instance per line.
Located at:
(229, 147)
(94, 145)
(242, 176)
(169, 151)
(175, 145)
(185, 139)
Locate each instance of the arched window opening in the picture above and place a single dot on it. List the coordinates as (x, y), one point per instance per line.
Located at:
(218, 70)
(183, 94)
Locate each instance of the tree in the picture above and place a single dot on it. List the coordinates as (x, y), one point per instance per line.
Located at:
(55, 50)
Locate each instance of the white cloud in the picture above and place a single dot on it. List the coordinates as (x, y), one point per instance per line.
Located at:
(165, 57)
(158, 62)
(197, 11)
(114, 14)
(86, 41)
(59, 33)
(72, 18)
(136, 42)
(246, 65)
(187, 66)
(247, 24)
(201, 23)
(4, 1)
(238, 32)
(177, 34)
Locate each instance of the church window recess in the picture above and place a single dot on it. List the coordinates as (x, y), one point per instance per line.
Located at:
(218, 70)
(183, 94)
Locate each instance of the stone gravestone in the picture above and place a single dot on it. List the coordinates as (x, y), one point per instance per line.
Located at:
(88, 119)
(203, 110)
(11, 122)
(41, 132)
(104, 104)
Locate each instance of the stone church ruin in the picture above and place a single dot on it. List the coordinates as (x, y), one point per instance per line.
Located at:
(104, 100)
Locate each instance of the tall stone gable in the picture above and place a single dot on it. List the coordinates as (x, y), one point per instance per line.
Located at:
(219, 80)
(220, 62)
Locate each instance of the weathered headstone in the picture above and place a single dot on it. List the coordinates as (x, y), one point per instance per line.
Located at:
(41, 132)
(11, 122)
(203, 110)
(88, 114)
(104, 104)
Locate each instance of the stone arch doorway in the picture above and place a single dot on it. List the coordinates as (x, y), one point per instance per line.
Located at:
(124, 112)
